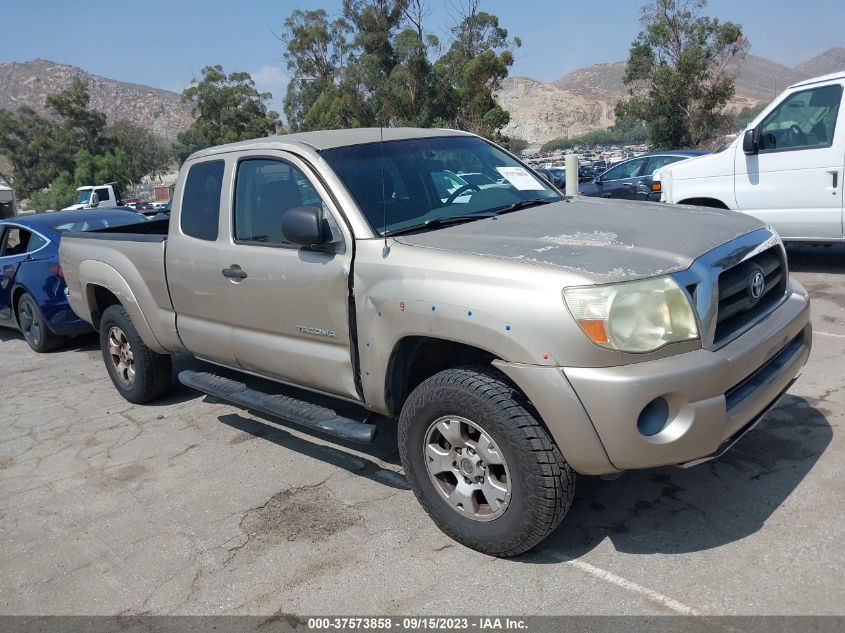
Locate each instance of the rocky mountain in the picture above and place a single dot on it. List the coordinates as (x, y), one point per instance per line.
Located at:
(583, 100)
(576, 103)
(160, 111)
(830, 61)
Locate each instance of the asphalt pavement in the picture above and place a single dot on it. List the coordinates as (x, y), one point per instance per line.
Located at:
(191, 506)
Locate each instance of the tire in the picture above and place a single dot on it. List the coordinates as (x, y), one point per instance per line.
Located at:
(34, 326)
(540, 484)
(137, 372)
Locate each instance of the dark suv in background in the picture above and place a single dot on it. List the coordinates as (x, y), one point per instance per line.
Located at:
(632, 179)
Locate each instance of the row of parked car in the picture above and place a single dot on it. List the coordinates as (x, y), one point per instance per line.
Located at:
(631, 179)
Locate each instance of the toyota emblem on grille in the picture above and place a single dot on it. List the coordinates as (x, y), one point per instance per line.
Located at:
(756, 284)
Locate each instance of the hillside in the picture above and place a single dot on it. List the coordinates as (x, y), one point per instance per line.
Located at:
(584, 99)
(830, 61)
(578, 102)
(160, 111)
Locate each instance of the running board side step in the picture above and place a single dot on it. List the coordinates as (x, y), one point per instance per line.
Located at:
(301, 412)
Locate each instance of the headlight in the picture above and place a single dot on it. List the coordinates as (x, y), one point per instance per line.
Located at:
(635, 316)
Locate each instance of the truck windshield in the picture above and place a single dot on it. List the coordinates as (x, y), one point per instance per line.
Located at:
(82, 197)
(424, 182)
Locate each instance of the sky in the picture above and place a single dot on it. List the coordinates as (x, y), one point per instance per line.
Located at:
(166, 43)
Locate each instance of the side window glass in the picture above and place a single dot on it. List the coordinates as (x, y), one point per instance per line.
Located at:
(17, 241)
(35, 242)
(264, 190)
(805, 119)
(656, 162)
(102, 194)
(201, 200)
(624, 170)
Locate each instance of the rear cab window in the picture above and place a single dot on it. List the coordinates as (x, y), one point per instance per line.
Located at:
(200, 211)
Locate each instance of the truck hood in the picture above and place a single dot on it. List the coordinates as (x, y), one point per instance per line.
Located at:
(598, 240)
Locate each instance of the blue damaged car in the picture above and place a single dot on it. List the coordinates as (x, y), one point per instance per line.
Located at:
(32, 286)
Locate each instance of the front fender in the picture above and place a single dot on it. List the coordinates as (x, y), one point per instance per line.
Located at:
(513, 311)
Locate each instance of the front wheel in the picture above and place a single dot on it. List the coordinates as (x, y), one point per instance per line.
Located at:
(138, 373)
(481, 465)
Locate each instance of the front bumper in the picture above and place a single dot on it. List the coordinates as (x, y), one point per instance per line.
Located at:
(713, 396)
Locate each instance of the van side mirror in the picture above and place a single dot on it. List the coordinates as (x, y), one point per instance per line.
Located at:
(304, 226)
(95, 200)
(750, 144)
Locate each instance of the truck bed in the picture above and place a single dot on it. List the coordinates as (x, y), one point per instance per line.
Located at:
(129, 263)
(152, 231)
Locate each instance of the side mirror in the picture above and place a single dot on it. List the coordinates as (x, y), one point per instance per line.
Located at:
(304, 226)
(95, 200)
(749, 142)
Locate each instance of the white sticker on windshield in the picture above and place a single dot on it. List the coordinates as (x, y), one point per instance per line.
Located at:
(520, 178)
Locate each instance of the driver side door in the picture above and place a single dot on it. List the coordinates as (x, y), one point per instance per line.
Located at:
(794, 181)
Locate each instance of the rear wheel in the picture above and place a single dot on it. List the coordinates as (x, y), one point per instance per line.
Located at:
(34, 326)
(138, 373)
(481, 464)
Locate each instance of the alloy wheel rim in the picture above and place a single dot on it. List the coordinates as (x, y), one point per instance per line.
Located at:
(467, 468)
(30, 326)
(122, 358)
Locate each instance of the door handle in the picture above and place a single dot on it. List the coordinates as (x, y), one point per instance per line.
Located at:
(835, 174)
(234, 273)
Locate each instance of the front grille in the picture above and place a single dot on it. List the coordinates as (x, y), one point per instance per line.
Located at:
(739, 392)
(737, 308)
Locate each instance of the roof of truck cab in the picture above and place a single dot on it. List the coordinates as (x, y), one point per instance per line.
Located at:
(329, 139)
(818, 80)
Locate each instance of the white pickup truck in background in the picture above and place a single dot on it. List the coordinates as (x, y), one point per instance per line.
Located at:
(96, 197)
(8, 205)
(785, 169)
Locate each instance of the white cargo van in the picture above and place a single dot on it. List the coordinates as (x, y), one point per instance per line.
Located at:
(785, 169)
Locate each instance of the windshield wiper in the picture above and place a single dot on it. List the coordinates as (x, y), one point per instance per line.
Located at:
(460, 219)
(523, 204)
(438, 222)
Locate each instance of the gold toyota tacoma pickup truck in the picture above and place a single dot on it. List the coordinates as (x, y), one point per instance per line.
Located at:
(519, 337)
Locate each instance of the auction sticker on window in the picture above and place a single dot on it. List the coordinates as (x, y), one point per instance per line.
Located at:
(520, 178)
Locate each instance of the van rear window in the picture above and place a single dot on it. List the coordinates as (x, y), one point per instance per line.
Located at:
(200, 215)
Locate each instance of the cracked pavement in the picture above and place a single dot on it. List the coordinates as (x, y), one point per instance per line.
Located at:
(191, 506)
